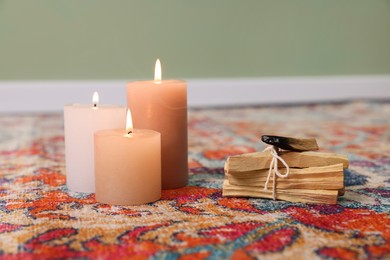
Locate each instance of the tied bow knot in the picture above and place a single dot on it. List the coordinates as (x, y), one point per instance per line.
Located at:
(273, 168)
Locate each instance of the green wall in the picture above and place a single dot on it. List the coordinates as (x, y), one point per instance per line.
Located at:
(85, 39)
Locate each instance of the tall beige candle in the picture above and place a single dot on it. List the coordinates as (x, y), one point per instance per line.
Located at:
(127, 166)
(161, 105)
(80, 122)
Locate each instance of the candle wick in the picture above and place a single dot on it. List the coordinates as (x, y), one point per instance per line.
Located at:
(129, 132)
(94, 105)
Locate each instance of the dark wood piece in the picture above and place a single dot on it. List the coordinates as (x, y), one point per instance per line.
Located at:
(291, 144)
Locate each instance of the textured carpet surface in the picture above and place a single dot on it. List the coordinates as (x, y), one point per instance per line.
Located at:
(40, 218)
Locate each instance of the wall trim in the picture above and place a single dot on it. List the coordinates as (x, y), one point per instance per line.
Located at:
(50, 96)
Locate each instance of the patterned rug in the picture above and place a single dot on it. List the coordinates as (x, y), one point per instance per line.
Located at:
(40, 218)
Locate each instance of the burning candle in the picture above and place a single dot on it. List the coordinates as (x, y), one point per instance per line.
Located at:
(80, 122)
(127, 165)
(161, 105)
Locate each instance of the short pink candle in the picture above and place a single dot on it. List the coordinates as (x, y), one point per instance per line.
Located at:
(161, 105)
(127, 166)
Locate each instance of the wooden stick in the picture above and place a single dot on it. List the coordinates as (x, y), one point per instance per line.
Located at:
(261, 160)
(325, 177)
(293, 195)
(295, 173)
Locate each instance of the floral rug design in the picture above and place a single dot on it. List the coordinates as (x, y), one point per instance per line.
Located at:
(40, 218)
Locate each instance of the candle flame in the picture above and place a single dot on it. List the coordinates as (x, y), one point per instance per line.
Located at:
(129, 122)
(157, 72)
(95, 99)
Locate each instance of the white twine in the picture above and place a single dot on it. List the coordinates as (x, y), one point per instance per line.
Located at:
(273, 168)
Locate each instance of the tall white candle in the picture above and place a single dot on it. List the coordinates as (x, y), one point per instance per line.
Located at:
(80, 122)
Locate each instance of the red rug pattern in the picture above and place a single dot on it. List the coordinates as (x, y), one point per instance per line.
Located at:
(41, 219)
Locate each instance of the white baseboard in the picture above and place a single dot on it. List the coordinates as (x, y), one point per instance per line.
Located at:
(38, 96)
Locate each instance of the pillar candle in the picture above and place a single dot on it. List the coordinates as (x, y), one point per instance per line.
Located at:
(161, 105)
(80, 122)
(127, 166)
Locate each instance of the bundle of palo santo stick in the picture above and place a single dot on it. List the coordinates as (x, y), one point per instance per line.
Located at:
(313, 177)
